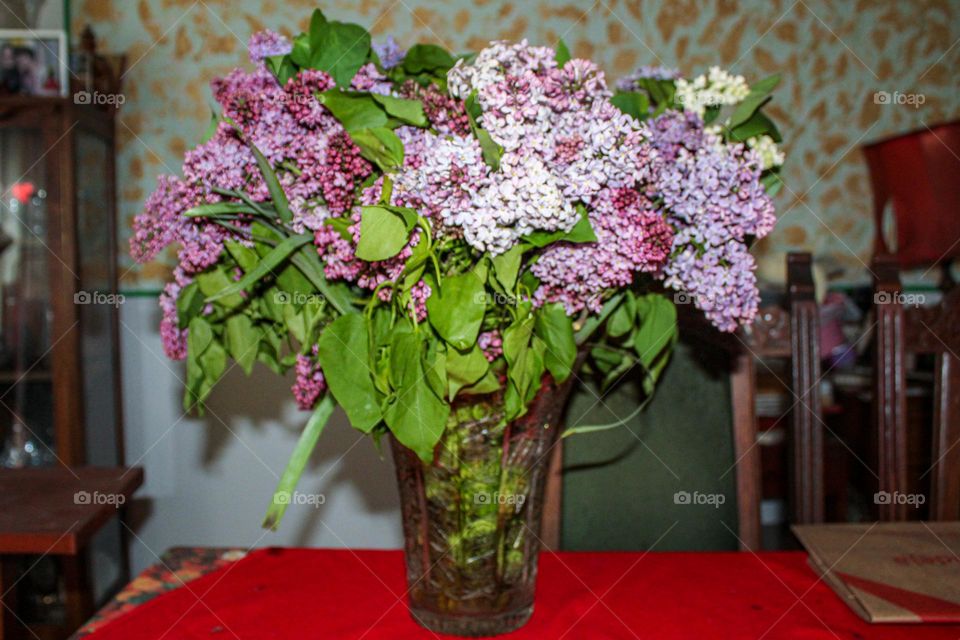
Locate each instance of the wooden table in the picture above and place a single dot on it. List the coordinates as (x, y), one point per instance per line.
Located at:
(56, 511)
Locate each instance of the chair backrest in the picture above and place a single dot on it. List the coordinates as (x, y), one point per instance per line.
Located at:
(901, 331)
(791, 331)
(919, 173)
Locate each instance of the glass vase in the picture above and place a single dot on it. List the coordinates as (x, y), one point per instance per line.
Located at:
(471, 516)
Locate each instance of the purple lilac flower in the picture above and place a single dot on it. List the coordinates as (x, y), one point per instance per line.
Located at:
(265, 44)
(714, 199)
(631, 82)
(369, 78)
(389, 52)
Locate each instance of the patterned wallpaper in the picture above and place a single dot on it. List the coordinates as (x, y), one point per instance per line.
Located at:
(834, 57)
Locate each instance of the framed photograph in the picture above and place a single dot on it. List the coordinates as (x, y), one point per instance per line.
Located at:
(33, 62)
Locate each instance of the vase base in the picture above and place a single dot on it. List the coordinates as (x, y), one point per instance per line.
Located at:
(472, 626)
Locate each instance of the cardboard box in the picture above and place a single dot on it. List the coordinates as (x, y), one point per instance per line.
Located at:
(902, 572)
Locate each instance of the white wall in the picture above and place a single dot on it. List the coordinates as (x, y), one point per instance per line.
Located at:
(210, 479)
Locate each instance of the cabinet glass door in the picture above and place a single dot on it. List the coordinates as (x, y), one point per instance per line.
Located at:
(26, 314)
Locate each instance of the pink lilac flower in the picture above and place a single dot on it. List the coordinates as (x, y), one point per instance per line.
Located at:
(491, 343)
(369, 78)
(302, 101)
(310, 383)
(265, 44)
(316, 162)
(447, 115)
(172, 337)
(563, 142)
(632, 238)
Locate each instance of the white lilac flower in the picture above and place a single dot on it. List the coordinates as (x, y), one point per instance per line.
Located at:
(717, 88)
(770, 154)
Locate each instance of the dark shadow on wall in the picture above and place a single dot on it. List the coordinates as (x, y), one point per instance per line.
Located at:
(264, 397)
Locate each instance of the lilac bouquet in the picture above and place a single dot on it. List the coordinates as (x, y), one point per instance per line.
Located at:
(407, 229)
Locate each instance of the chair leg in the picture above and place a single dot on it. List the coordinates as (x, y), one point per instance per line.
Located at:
(945, 483)
(745, 450)
(9, 625)
(807, 424)
(890, 395)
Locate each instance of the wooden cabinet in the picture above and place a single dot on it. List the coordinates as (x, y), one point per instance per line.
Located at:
(59, 360)
(59, 367)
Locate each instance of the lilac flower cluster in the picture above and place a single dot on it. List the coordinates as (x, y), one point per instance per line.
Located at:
(632, 238)
(310, 383)
(491, 343)
(713, 197)
(338, 254)
(316, 162)
(389, 52)
(563, 142)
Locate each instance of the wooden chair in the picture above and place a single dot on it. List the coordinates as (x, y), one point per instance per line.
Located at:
(902, 331)
(790, 331)
(919, 173)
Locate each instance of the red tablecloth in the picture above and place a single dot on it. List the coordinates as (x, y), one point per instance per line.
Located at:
(305, 594)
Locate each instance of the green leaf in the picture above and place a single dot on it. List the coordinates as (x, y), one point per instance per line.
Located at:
(344, 355)
(281, 67)
(555, 328)
(507, 266)
(580, 233)
(266, 266)
(212, 127)
(621, 320)
(354, 112)
(657, 330)
(465, 368)
(410, 111)
(213, 282)
(757, 125)
(416, 415)
(199, 337)
(489, 383)
(218, 209)
(632, 103)
(759, 94)
(340, 49)
(318, 23)
(190, 303)
(772, 182)
(435, 367)
(492, 152)
(298, 462)
(214, 363)
(300, 55)
(381, 146)
(383, 234)
(427, 57)
(243, 340)
(456, 309)
(563, 53)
